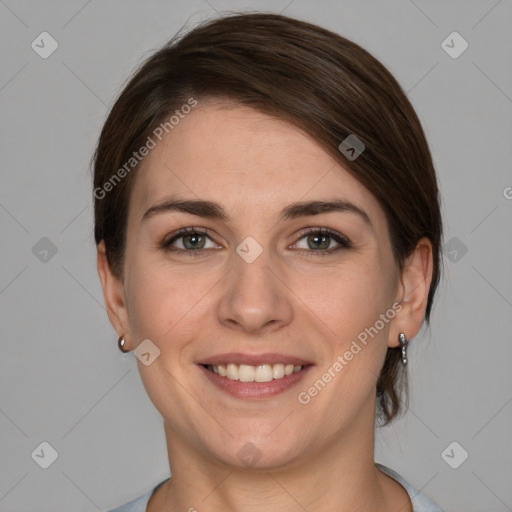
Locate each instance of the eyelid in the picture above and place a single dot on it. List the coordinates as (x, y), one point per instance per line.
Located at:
(168, 241)
(342, 240)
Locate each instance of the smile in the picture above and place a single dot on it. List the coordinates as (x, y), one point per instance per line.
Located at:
(241, 381)
(249, 373)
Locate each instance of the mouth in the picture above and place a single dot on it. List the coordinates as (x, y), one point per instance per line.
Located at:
(254, 377)
(248, 373)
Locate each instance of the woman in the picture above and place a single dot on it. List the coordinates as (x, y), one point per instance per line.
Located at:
(268, 230)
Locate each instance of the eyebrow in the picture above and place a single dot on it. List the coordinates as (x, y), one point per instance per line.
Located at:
(212, 210)
(200, 208)
(306, 208)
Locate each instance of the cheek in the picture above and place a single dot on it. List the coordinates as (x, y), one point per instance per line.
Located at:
(166, 305)
(353, 307)
(164, 308)
(351, 297)
(147, 296)
(356, 343)
(155, 302)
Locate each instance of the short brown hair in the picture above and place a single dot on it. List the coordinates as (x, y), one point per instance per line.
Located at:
(321, 82)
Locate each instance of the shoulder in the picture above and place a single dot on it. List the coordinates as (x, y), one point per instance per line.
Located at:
(420, 503)
(139, 504)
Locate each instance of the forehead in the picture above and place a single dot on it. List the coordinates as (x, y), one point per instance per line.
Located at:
(244, 159)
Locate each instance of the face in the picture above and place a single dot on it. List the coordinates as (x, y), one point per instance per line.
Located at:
(262, 278)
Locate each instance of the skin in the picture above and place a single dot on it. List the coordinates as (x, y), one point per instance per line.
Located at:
(290, 300)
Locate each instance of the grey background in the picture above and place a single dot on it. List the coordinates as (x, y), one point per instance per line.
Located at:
(62, 378)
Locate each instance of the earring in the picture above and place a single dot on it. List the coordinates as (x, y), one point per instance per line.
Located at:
(403, 343)
(120, 343)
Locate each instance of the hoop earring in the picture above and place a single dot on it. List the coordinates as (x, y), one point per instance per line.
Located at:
(120, 343)
(403, 343)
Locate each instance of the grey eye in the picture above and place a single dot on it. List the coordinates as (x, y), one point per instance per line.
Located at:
(319, 241)
(193, 241)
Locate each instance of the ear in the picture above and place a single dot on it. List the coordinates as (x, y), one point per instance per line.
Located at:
(114, 296)
(413, 293)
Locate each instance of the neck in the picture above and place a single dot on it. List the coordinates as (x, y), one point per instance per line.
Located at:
(340, 478)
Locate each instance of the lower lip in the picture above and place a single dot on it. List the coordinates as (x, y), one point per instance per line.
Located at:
(256, 390)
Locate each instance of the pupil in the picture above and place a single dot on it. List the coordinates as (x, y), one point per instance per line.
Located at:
(196, 241)
(324, 241)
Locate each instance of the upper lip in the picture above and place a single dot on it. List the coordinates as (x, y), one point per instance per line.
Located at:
(253, 359)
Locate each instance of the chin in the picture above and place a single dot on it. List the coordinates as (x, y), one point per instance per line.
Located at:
(257, 452)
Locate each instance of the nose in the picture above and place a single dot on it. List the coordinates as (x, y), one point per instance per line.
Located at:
(255, 299)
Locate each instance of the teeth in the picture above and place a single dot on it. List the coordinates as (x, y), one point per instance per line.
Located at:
(248, 373)
(232, 371)
(278, 371)
(263, 373)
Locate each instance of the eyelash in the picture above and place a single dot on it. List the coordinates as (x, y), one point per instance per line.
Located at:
(166, 245)
(343, 242)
